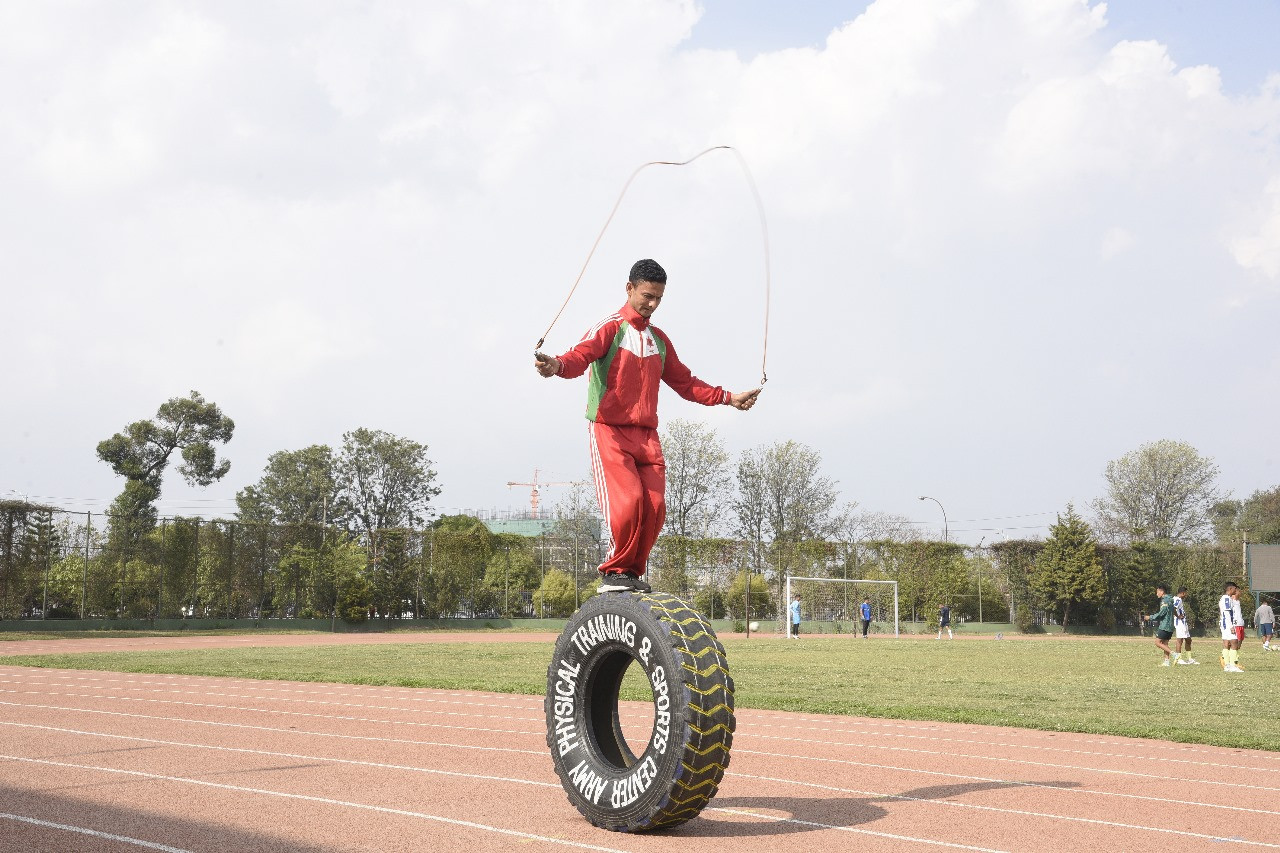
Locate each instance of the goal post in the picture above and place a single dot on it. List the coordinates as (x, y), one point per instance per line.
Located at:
(838, 601)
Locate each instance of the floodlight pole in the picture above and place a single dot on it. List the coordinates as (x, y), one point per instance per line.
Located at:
(946, 534)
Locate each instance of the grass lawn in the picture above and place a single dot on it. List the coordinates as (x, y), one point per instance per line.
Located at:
(1103, 686)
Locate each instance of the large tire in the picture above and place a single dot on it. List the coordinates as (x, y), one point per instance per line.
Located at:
(688, 749)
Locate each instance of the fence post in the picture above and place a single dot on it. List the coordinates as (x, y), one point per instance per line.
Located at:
(84, 583)
(195, 570)
(48, 559)
(164, 539)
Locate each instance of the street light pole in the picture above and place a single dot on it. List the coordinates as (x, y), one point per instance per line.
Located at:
(946, 534)
(980, 564)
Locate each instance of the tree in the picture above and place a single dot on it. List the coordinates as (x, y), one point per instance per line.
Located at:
(297, 487)
(1163, 490)
(1258, 518)
(556, 597)
(762, 601)
(798, 501)
(781, 491)
(698, 479)
(461, 547)
(141, 454)
(1068, 570)
(383, 481)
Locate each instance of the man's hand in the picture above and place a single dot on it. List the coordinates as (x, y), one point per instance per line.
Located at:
(744, 400)
(546, 365)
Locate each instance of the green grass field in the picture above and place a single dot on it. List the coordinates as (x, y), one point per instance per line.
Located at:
(1103, 686)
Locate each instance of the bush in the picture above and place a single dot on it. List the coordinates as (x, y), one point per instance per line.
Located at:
(1026, 621)
(1107, 620)
(739, 626)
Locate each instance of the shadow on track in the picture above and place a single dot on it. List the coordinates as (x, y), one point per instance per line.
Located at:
(787, 815)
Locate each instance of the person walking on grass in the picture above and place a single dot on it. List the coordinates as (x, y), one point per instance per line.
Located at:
(866, 617)
(1182, 630)
(1162, 622)
(944, 622)
(1227, 625)
(795, 616)
(1265, 619)
(628, 356)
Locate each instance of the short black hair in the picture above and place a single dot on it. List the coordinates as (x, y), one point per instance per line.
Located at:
(1181, 590)
(647, 269)
(1162, 587)
(1228, 586)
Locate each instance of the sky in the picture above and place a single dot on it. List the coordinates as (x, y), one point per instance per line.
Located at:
(1009, 240)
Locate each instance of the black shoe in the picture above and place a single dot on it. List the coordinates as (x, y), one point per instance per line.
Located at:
(622, 582)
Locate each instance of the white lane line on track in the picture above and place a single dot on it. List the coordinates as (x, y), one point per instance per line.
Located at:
(1217, 764)
(854, 829)
(1080, 790)
(344, 718)
(224, 724)
(93, 833)
(1000, 810)
(1216, 753)
(1168, 801)
(877, 794)
(741, 812)
(324, 702)
(275, 754)
(903, 749)
(353, 690)
(1164, 778)
(312, 799)
(821, 723)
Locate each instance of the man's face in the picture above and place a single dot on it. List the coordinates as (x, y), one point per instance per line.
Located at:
(644, 297)
(1159, 592)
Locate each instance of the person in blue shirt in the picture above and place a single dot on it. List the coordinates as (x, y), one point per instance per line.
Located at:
(866, 617)
(795, 617)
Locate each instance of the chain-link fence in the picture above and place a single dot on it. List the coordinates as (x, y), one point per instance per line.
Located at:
(60, 564)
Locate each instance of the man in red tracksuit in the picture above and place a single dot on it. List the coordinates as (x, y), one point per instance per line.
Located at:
(627, 355)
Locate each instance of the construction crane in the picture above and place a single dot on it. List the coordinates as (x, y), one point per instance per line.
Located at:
(536, 485)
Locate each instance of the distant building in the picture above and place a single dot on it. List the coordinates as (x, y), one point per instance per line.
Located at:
(525, 524)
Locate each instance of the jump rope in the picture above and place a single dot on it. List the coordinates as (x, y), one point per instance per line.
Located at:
(764, 233)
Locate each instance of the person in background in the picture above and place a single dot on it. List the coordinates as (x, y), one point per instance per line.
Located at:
(944, 622)
(866, 617)
(1264, 617)
(795, 616)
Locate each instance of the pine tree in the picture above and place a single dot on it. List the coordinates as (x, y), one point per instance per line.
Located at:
(1068, 570)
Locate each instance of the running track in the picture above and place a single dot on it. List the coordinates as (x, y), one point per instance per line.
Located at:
(95, 761)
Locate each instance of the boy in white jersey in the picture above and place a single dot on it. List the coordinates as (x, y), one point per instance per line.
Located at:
(1239, 617)
(1227, 624)
(1182, 629)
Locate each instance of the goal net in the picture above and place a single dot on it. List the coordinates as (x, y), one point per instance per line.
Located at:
(834, 605)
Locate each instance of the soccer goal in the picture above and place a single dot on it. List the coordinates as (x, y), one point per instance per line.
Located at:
(834, 605)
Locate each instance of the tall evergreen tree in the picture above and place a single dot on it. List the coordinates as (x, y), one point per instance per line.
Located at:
(1068, 570)
(142, 451)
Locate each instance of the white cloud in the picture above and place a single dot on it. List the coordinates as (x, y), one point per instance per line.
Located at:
(973, 206)
(1260, 250)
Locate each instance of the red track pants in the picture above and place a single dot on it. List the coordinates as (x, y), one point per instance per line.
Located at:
(631, 482)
